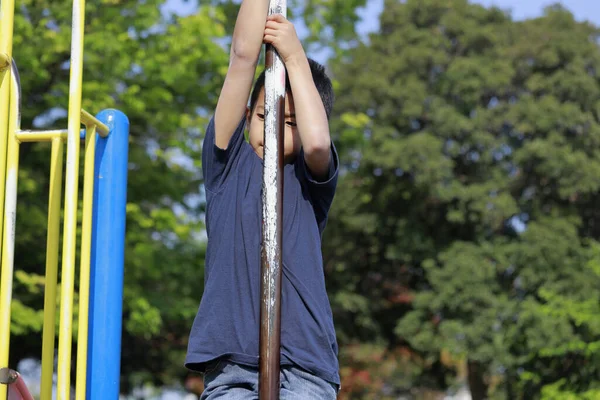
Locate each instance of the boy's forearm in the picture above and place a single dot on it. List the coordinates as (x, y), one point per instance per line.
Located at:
(247, 37)
(311, 119)
(245, 48)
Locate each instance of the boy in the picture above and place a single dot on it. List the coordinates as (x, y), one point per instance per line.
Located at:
(224, 340)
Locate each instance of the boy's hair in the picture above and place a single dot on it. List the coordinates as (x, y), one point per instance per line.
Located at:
(322, 83)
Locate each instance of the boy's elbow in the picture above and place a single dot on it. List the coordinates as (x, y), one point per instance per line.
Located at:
(242, 51)
(318, 148)
(317, 158)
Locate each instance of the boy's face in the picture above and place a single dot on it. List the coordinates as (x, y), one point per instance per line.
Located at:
(256, 126)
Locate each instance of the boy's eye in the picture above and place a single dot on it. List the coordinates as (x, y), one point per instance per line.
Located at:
(260, 116)
(290, 123)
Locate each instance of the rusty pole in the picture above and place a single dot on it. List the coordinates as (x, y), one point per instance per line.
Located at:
(272, 201)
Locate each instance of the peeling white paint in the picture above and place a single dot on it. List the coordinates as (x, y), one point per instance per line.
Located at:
(274, 95)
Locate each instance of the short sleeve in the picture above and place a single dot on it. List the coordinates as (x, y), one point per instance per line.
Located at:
(217, 163)
(321, 192)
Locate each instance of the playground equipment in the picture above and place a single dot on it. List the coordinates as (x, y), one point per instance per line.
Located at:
(272, 214)
(102, 230)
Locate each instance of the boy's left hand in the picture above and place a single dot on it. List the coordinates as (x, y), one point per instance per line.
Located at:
(282, 35)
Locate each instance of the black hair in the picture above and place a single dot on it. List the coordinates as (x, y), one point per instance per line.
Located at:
(322, 83)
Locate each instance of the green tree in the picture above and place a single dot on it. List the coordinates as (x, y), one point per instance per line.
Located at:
(466, 218)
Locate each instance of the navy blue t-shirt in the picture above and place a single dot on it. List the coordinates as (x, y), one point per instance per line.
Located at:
(228, 321)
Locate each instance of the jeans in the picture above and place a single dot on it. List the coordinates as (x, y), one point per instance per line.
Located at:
(227, 380)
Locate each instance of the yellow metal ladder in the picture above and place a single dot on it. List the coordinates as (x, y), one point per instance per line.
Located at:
(11, 136)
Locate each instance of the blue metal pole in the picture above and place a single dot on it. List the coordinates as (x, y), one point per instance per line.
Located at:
(107, 259)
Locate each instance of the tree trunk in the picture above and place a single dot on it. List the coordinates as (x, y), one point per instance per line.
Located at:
(477, 384)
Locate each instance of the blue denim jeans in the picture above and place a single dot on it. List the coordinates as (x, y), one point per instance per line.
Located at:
(230, 381)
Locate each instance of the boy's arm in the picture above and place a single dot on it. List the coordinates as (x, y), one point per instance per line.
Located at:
(311, 119)
(246, 45)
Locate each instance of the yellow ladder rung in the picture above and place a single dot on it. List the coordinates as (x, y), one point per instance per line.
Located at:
(25, 136)
(89, 120)
(41, 136)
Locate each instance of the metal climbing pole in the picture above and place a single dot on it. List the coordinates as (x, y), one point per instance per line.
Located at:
(272, 200)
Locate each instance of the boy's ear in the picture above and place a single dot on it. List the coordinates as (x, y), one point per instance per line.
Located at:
(248, 116)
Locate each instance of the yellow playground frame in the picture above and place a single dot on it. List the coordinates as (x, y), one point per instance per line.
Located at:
(11, 135)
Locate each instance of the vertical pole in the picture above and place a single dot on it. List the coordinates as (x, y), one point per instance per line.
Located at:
(272, 201)
(10, 217)
(52, 244)
(7, 8)
(71, 203)
(107, 259)
(85, 257)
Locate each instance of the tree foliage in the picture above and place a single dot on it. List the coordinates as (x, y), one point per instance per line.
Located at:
(466, 222)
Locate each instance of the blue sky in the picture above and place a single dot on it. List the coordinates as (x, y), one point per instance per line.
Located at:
(520, 9)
